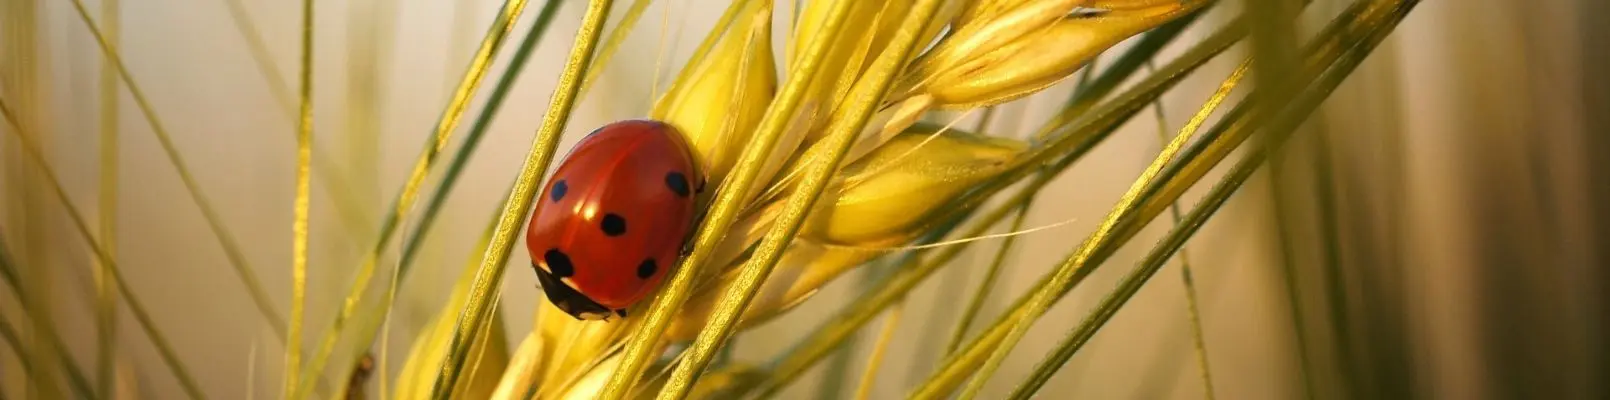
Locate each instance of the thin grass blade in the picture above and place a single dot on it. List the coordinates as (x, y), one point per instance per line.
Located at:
(869, 376)
(164, 348)
(15, 342)
(300, 206)
(1277, 132)
(1193, 314)
(1273, 42)
(76, 380)
(371, 36)
(1127, 205)
(864, 98)
(231, 248)
(446, 124)
(793, 363)
(461, 158)
(489, 275)
(353, 215)
(1208, 152)
(105, 292)
(987, 284)
(429, 347)
(1064, 275)
(724, 209)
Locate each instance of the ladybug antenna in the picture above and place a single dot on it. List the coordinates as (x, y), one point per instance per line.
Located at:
(954, 241)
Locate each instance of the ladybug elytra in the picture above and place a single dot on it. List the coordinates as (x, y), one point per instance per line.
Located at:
(613, 218)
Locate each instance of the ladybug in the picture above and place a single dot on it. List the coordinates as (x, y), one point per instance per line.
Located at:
(614, 217)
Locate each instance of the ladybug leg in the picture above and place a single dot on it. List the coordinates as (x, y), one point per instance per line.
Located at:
(621, 312)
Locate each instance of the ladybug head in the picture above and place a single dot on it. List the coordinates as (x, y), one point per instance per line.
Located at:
(571, 301)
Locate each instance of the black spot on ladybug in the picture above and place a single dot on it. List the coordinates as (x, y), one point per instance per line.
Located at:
(558, 263)
(677, 182)
(558, 192)
(646, 269)
(613, 225)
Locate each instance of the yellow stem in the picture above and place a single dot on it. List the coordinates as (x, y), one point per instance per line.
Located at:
(354, 216)
(479, 65)
(237, 258)
(1198, 343)
(885, 335)
(489, 275)
(723, 212)
(299, 225)
(106, 320)
(1025, 316)
(863, 99)
(164, 348)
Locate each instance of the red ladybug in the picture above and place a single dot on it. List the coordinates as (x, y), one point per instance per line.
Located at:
(614, 217)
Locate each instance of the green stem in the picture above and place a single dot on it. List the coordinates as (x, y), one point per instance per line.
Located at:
(237, 258)
(840, 366)
(79, 383)
(299, 223)
(461, 158)
(1232, 130)
(987, 285)
(1198, 342)
(15, 341)
(1131, 203)
(1272, 41)
(489, 276)
(106, 295)
(1064, 277)
(796, 361)
(335, 182)
(446, 124)
(369, 331)
(472, 140)
(164, 348)
(1277, 132)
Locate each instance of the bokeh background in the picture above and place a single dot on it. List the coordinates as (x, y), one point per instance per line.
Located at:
(1468, 160)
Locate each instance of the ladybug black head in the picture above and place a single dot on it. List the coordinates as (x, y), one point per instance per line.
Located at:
(568, 299)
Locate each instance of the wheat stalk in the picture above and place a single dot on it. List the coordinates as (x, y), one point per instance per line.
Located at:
(822, 168)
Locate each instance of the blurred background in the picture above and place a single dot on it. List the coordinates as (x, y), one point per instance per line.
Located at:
(1437, 230)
